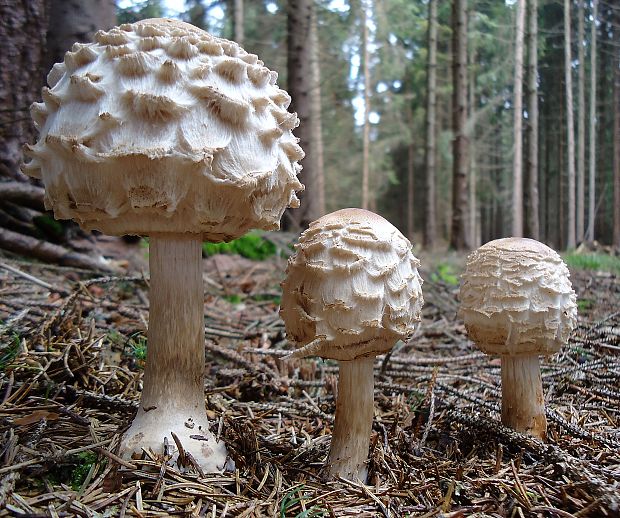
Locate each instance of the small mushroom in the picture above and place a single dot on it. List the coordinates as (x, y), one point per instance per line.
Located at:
(517, 302)
(129, 145)
(352, 290)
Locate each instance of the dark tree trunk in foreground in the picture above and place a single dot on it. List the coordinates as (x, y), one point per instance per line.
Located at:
(75, 20)
(366, 133)
(302, 87)
(581, 125)
(459, 238)
(592, 138)
(430, 227)
(22, 55)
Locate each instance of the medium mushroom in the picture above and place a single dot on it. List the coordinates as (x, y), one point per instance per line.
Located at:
(158, 128)
(352, 290)
(517, 302)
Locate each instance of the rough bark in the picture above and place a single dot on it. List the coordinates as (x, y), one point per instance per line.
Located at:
(581, 122)
(23, 25)
(75, 20)
(474, 222)
(570, 125)
(517, 161)
(592, 132)
(532, 127)
(238, 25)
(366, 133)
(459, 238)
(316, 121)
(302, 85)
(616, 135)
(430, 227)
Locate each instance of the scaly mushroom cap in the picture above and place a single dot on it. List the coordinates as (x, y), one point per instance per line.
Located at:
(517, 298)
(158, 126)
(352, 287)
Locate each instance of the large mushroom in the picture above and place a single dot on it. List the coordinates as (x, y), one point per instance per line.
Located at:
(517, 302)
(352, 290)
(158, 128)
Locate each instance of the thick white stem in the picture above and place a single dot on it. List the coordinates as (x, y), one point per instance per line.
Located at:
(173, 393)
(523, 402)
(353, 424)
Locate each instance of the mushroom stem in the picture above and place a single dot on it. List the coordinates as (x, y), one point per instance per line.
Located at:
(353, 424)
(523, 402)
(173, 393)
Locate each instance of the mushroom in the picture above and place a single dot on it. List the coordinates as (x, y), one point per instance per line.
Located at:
(158, 128)
(517, 302)
(352, 290)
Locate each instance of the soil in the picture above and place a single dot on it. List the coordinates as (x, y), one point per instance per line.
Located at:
(72, 352)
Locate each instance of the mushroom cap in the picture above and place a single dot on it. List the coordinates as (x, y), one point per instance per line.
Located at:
(352, 287)
(517, 298)
(158, 127)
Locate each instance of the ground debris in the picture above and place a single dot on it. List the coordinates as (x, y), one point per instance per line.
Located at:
(72, 351)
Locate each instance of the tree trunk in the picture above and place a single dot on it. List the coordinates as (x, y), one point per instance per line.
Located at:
(459, 238)
(366, 137)
(474, 233)
(592, 139)
(410, 191)
(238, 22)
(532, 161)
(22, 32)
(302, 86)
(616, 136)
(581, 135)
(517, 162)
(75, 20)
(430, 227)
(570, 125)
(316, 121)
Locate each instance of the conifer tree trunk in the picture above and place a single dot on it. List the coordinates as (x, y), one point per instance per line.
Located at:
(532, 160)
(570, 125)
(592, 139)
(430, 227)
(366, 134)
(317, 125)
(581, 121)
(517, 161)
(238, 29)
(302, 86)
(616, 135)
(459, 238)
(22, 61)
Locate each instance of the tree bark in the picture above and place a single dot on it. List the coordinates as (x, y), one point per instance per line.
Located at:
(616, 135)
(459, 238)
(474, 233)
(23, 27)
(430, 227)
(366, 135)
(592, 139)
(532, 162)
(303, 86)
(581, 121)
(517, 162)
(570, 128)
(317, 120)
(75, 21)
(238, 26)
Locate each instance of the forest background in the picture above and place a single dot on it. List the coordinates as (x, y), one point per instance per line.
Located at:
(460, 121)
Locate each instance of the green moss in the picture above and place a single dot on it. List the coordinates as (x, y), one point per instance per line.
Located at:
(85, 461)
(252, 246)
(445, 273)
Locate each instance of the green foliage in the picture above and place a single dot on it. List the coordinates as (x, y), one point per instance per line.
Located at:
(233, 299)
(445, 273)
(85, 461)
(9, 353)
(48, 225)
(137, 348)
(253, 246)
(292, 500)
(594, 261)
(584, 304)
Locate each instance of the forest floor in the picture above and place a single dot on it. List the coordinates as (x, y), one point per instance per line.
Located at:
(72, 350)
